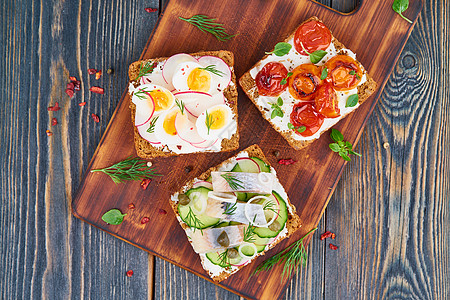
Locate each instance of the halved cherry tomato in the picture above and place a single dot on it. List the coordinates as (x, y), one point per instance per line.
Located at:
(306, 115)
(314, 35)
(343, 72)
(304, 82)
(326, 101)
(268, 80)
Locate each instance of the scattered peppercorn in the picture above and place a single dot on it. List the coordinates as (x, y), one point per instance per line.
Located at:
(187, 169)
(276, 153)
(110, 71)
(162, 211)
(131, 206)
(49, 133)
(145, 220)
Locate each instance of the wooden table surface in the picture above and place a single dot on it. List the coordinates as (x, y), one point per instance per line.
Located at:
(390, 211)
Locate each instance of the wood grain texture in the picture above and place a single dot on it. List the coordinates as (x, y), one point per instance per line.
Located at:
(47, 253)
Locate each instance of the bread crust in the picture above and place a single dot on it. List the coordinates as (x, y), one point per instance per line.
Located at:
(144, 148)
(292, 223)
(248, 84)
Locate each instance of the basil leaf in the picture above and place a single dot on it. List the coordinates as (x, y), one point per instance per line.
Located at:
(279, 101)
(317, 56)
(349, 145)
(336, 135)
(113, 216)
(345, 157)
(334, 147)
(324, 73)
(283, 81)
(280, 112)
(354, 153)
(352, 72)
(281, 49)
(290, 126)
(352, 100)
(274, 114)
(400, 6)
(301, 129)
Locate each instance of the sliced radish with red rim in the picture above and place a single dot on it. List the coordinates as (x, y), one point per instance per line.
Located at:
(222, 80)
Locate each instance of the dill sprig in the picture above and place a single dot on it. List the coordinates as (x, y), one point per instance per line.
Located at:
(213, 69)
(232, 181)
(180, 105)
(270, 205)
(129, 169)
(209, 121)
(224, 260)
(230, 208)
(249, 233)
(193, 222)
(151, 128)
(206, 24)
(142, 93)
(292, 257)
(146, 69)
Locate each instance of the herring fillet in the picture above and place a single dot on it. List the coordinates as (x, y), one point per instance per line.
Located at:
(206, 240)
(260, 183)
(216, 209)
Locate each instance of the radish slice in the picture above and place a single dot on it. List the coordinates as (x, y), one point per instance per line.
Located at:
(221, 81)
(150, 137)
(205, 144)
(187, 130)
(145, 107)
(191, 96)
(203, 183)
(248, 165)
(140, 120)
(203, 102)
(156, 79)
(170, 66)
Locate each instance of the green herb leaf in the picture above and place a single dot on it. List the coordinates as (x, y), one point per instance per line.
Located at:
(151, 128)
(336, 135)
(206, 24)
(290, 126)
(192, 221)
(232, 181)
(224, 260)
(317, 56)
(180, 105)
(274, 114)
(301, 129)
(129, 169)
(354, 153)
(334, 147)
(249, 232)
(280, 101)
(324, 73)
(213, 69)
(345, 157)
(277, 111)
(230, 208)
(146, 69)
(281, 49)
(113, 217)
(209, 121)
(399, 6)
(352, 100)
(284, 80)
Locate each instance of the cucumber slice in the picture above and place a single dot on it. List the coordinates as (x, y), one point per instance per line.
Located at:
(234, 223)
(196, 195)
(222, 224)
(260, 243)
(248, 165)
(215, 259)
(281, 218)
(241, 196)
(262, 165)
(236, 168)
(247, 250)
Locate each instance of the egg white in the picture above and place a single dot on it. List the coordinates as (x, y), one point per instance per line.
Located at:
(213, 134)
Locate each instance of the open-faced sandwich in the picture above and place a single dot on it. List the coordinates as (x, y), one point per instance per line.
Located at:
(307, 83)
(186, 103)
(235, 212)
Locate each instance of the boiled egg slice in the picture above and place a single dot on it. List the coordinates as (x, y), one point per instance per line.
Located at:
(215, 122)
(165, 129)
(219, 70)
(189, 76)
(152, 99)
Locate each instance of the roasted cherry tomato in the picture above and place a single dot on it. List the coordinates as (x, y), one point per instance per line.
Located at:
(314, 35)
(306, 115)
(304, 82)
(268, 80)
(326, 101)
(344, 72)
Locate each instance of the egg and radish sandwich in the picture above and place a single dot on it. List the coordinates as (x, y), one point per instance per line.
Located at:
(186, 103)
(235, 212)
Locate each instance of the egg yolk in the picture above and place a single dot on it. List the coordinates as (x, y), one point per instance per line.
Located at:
(199, 80)
(169, 123)
(218, 119)
(161, 99)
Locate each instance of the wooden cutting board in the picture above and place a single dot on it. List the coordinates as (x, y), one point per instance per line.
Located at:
(373, 31)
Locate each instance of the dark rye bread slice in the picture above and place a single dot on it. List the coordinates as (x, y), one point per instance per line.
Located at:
(248, 83)
(143, 148)
(292, 223)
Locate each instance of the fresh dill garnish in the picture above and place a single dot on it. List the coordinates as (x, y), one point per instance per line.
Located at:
(146, 69)
(142, 93)
(129, 169)
(292, 257)
(206, 24)
(180, 105)
(270, 205)
(209, 121)
(230, 208)
(193, 222)
(232, 181)
(249, 233)
(224, 260)
(213, 69)
(151, 128)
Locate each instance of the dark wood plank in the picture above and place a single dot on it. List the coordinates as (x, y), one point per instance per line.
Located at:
(391, 207)
(45, 251)
(310, 199)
